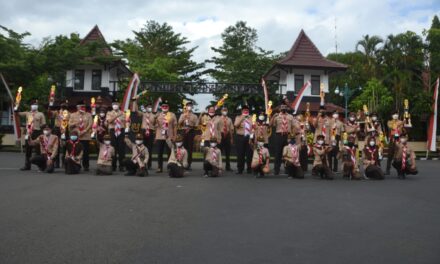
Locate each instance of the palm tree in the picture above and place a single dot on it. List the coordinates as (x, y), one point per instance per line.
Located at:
(369, 48)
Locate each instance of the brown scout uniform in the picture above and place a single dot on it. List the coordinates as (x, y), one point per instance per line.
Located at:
(48, 146)
(140, 153)
(212, 128)
(166, 126)
(82, 122)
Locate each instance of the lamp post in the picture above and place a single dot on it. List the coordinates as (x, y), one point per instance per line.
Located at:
(346, 93)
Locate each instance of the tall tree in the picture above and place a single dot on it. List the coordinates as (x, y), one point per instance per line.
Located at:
(433, 39)
(370, 49)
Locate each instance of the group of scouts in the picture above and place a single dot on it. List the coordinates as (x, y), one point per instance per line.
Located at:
(295, 137)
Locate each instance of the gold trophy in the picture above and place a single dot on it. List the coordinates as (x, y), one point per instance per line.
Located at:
(221, 102)
(127, 120)
(381, 145)
(52, 95)
(322, 94)
(29, 126)
(18, 98)
(95, 126)
(406, 114)
(93, 105)
(64, 124)
(368, 122)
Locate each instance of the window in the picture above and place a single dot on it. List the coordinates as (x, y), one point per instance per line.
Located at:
(316, 84)
(78, 81)
(299, 82)
(96, 79)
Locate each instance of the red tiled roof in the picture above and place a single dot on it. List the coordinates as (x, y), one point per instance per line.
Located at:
(305, 54)
(96, 35)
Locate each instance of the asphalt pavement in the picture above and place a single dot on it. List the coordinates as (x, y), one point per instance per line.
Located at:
(58, 218)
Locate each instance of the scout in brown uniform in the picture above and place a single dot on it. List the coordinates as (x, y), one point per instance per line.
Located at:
(48, 150)
(227, 131)
(302, 139)
(138, 162)
(115, 121)
(283, 125)
(350, 163)
(34, 121)
(291, 158)
(371, 160)
(178, 159)
(147, 127)
(102, 126)
(373, 129)
(395, 127)
(243, 129)
(60, 129)
(320, 164)
(404, 158)
(82, 122)
(188, 122)
(321, 124)
(74, 154)
(105, 156)
(260, 159)
(335, 130)
(261, 129)
(351, 127)
(213, 159)
(166, 129)
(211, 124)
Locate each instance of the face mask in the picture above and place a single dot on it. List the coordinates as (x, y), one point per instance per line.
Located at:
(403, 140)
(189, 108)
(138, 142)
(82, 109)
(165, 110)
(261, 144)
(261, 118)
(107, 142)
(34, 107)
(46, 132)
(102, 114)
(372, 143)
(73, 138)
(335, 116)
(224, 113)
(144, 110)
(115, 107)
(245, 113)
(179, 144)
(292, 142)
(374, 118)
(211, 114)
(320, 142)
(395, 117)
(149, 109)
(213, 144)
(352, 119)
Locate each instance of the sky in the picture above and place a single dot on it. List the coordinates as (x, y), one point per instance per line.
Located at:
(277, 22)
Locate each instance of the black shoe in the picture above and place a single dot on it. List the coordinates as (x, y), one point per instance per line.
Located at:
(130, 173)
(248, 171)
(387, 172)
(25, 168)
(276, 173)
(86, 169)
(114, 169)
(228, 169)
(121, 169)
(159, 170)
(239, 172)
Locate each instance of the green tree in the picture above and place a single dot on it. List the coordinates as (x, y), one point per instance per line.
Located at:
(370, 49)
(433, 40)
(376, 96)
(240, 60)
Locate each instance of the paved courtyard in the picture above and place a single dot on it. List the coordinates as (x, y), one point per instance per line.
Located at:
(84, 218)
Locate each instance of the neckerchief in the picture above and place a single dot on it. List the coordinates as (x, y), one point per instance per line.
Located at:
(214, 154)
(295, 157)
(247, 127)
(284, 126)
(404, 150)
(118, 126)
(73, 143)
(372, 151)
(352, 154)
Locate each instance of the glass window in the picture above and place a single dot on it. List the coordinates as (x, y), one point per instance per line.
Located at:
(299, 82)
(96, 79)
(79, 80)
(316, 84)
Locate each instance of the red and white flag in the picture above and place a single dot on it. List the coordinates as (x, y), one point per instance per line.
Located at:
(266, 95)
(156, 104)
(130, 92)
(299, 97)
(432, 131)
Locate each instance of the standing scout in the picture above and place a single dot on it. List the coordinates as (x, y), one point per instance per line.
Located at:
(115, 121)
(82, 122)
(211, 125)
(74, 154)
(227, 134)
(147, 127)
(260, 159)
(320, 164)
(166, 129)
(291, 157)
(352, 128)
(283, 124)
(213, 159)
(138, 162)
(49, 144)
(335, 130)
(101, 126)
(395, 127)
(243, 128)
(105, 156)
(188, 122)
(261, 129)
(305, 135)
(178, 159)
(34, 121)
(371, 160)
(404, 158)
(60, 129)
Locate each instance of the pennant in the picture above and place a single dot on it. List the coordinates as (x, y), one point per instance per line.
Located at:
(299, 97)
(432, 131)
(156, 104)
(130, 92)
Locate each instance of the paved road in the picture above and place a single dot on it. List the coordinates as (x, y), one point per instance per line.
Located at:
(233, 219)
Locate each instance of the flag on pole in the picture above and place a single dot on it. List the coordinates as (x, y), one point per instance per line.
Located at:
(15, 117)
(266, 95)
(130, 92)
(432, 131)
(299, 97)
(156, 104)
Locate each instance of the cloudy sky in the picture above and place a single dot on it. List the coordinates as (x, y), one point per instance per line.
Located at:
(202, 21)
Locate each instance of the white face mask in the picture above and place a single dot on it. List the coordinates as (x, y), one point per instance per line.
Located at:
(374, 118)
(320, 142)
(179, 144)
(189, 108)
(372, 143)
(261, 118)
(34, 107)
(261, 144)
(107, 142)
(213, 144)
(149, 109)
(138, 142)
(101, 114)
(73, 138)
(352, 119)
(403, 140)
(335, 116)
(46, 132)
(115, 107)
(165, 110)
(224, 113)
(211, 114)
(395, 117)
